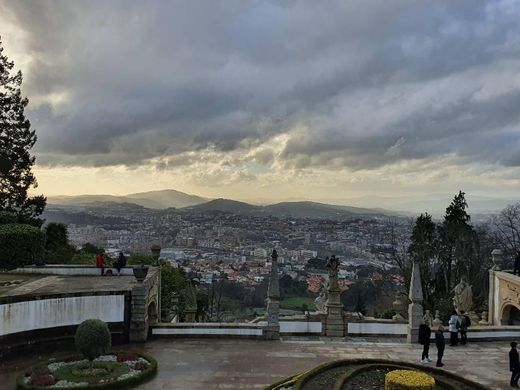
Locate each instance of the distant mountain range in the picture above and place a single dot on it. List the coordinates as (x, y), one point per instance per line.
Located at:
(435, 204)
(152, 199)
(191, 203)
(306, 209)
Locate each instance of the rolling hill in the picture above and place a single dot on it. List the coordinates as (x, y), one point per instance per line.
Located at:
(152, 199)
(191, 203)
(225, 205)
(305, 209)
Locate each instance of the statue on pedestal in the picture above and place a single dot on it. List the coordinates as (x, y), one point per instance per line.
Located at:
(335, 326)
(332, 266)
(463, 296)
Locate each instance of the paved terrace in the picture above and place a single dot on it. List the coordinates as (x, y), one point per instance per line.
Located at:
(57, 284)
(246, 364)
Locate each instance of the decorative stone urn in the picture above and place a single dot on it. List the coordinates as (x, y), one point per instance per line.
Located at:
(497, 257)
(140, 273)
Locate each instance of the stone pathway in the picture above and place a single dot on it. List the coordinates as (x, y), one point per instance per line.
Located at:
(248, 364)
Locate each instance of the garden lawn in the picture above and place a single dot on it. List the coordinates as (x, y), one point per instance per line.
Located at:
(297, 303)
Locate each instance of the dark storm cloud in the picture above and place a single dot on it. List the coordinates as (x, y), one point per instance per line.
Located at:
(365, 83)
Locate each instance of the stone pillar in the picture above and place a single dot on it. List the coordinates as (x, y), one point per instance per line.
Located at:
(156, 254)
(334, 326)
(139, 316)
(415, 308)
(273, 300)
(496, 255)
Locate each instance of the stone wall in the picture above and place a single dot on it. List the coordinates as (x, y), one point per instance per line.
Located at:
(56, 312)
(145, 306)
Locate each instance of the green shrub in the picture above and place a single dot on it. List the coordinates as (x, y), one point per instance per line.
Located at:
(21, 245)
(93, 338)
(388, 314)
(7, 217)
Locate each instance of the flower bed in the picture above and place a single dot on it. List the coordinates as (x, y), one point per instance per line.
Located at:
(408, 380)
(111, 371)
(354, 374)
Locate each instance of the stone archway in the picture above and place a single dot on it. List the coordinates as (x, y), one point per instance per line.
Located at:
(510, 315)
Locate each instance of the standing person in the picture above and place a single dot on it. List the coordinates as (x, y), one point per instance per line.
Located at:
(100, 262)
(465, 323)
(463, 327)
(514, 365)
(440, 344)
(120, 262)
(516, 270)
(425, 333)
(454, 328)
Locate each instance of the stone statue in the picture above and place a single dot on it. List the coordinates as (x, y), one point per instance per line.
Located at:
(463, 296)
(332, 266)
(321, 299)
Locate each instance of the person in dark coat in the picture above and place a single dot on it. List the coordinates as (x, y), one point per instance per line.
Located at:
(516, 270)
(440, 344)
(463, 321)
(425, 334)
(514, 365)
(120, 262)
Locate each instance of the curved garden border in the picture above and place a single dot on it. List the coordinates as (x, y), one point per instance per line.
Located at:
(142, 377)
(298, 381)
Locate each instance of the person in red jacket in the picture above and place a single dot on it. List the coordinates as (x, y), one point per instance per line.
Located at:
(100, 262)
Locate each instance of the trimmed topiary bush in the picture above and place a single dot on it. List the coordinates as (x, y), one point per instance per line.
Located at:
(409, 380)
(93, 338)
(20, 245)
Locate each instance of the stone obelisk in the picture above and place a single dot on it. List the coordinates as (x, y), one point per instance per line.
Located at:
(273, 300)
(335, 326)
(415, 308)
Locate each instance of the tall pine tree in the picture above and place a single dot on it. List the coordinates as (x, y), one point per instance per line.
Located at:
(457, 243)
(423, 250)
(16, 141)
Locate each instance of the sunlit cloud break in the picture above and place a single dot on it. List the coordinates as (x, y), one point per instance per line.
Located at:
(231, 98)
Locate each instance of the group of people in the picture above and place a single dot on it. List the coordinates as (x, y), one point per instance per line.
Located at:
(458, 323)
(118, 264)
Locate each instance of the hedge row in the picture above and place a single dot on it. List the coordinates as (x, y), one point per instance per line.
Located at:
(123, 384)
(20, 245)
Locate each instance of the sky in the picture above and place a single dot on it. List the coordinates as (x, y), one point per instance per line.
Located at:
(271, 100)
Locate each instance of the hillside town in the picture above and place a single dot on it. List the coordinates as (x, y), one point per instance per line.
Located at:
(212, 245)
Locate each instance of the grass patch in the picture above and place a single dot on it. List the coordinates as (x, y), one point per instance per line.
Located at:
(81, 372)
(296, 303)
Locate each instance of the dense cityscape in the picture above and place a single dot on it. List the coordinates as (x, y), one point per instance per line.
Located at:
(213, 244)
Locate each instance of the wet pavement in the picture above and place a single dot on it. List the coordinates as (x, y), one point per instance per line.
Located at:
(248, 364)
